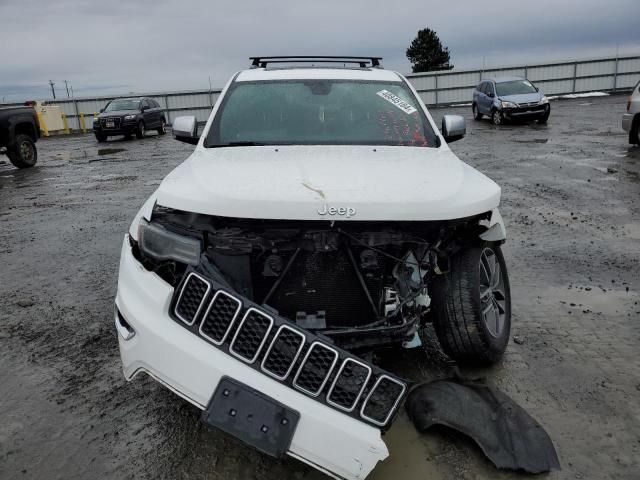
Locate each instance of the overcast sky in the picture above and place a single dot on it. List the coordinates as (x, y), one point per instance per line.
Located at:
(122, 46)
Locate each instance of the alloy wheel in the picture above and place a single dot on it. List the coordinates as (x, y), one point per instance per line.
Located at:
(492, 293)
(26, 152)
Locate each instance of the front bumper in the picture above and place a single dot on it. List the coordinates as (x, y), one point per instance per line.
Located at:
(527, 113)
(627, 121)
(325, 438)
(123, 128)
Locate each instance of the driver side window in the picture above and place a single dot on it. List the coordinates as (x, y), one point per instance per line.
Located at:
(489, 88)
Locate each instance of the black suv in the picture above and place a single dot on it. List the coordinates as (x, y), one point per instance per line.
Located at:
(126, 116)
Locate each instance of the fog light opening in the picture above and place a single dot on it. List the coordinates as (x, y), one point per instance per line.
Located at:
(124, 329)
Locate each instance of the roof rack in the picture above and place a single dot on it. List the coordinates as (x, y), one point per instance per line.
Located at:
(363, 62)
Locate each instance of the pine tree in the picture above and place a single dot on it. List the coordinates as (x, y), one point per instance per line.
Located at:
(426, 53)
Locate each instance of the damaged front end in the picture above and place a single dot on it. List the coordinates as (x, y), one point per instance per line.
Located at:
(268, 325)
(365, 285)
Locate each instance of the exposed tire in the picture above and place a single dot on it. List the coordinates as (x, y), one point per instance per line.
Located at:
(163, 128)
(140, 131)
(496, 117)
(472, 306)
(101, 138)
(476, 113)
(23, 153)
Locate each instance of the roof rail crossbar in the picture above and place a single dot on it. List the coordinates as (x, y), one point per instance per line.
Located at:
(362, 62)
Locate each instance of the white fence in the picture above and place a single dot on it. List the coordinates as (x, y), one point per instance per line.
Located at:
(605, 74)
(435, 88)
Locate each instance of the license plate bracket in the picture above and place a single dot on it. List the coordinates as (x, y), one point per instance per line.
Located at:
(252, 417)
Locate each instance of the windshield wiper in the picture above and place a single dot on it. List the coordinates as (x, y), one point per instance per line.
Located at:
(239, 144)
(246, 144)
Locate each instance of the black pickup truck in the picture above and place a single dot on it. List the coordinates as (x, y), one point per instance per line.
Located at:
(19, 132)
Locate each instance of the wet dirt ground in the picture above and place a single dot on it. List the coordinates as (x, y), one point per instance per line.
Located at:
(571, 201)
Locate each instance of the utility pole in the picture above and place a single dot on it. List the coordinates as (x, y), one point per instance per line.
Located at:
(67, 87)
(53, 90)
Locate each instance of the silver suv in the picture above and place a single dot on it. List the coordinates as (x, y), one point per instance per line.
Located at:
(631, 119)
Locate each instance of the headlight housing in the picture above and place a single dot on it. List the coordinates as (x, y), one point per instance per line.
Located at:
(161, 244)
(129, 117)
(544, 100)
(508, 105)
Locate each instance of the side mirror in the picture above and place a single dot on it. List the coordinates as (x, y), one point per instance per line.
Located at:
(185, 129)
(491, 94)
(143, 108)
(101, 110)
(453, 128)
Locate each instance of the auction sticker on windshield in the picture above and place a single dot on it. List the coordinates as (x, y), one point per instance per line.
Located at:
(406, 107)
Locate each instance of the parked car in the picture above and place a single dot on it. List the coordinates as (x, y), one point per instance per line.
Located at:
(19, 132)
(631, 119)
(128, 116)
(321, 216)
(509, 98)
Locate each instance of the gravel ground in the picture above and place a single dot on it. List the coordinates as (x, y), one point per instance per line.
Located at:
(571, 204)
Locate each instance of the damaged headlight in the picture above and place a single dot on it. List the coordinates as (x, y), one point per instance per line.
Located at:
(161, 244)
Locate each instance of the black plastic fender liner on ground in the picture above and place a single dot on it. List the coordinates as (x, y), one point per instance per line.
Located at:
(507, 435)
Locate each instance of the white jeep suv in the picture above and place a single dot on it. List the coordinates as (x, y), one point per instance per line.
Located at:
(321, 216)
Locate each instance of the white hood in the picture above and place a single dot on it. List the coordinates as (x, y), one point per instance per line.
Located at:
(298, 182)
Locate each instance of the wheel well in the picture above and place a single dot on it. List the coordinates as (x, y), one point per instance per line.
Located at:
(26, 128)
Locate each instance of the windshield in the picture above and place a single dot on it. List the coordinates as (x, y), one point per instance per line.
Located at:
(515, 87)
(320, 112)
(123, 105)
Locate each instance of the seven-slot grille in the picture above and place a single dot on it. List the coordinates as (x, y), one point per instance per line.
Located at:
(271, 344)
(315, 369)
(382, 400)
(219, 317)
(283, 352)
(251, 335)
(191, 299)
(348, 385)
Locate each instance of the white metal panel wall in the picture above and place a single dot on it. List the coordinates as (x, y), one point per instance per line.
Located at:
(594, 83)
(518, 72)
(550, 71)
(554, 87)
(627, 81)
(423, 83)
(626, 65)
(429, 98)
(596, 68)
(455, 96)
(449, 80)
(189, 100)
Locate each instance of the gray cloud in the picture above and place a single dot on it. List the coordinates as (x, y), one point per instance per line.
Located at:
(149, 45)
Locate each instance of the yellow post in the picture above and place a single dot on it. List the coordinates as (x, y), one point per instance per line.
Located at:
(66, 123)
(84, 129)
(43, 125)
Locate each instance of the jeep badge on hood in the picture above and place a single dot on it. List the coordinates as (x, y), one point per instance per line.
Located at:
(347, 212)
